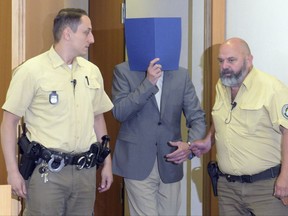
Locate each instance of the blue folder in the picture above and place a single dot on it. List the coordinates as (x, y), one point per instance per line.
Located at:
(149, 38)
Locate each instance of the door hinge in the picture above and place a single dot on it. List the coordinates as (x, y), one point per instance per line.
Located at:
(123, 12)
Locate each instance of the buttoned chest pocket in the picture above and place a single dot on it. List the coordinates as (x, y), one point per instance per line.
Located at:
(92, 87)
(253, 116)
(53, 97)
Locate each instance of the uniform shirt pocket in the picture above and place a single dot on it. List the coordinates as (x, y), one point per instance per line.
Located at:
(92, 87)
(254, 116)
(92, 83)
(54, 95)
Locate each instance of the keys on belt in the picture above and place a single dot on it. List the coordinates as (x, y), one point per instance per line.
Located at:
(55, 161)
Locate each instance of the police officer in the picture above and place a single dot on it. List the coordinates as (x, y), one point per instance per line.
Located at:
(250, 130)
(62, 99)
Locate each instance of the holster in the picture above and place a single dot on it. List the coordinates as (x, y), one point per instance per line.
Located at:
(101, 150)
(30, 154)
(214, 175)
(94, 157)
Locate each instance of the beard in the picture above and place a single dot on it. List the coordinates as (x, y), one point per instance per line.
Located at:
(232, 78)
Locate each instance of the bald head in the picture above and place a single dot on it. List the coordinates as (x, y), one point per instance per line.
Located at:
(238, 45)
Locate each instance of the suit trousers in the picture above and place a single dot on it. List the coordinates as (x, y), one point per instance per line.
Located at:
(255, 198)
(153, 197)
(68, 192)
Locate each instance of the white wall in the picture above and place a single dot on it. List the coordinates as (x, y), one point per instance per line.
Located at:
(197, 79)
(263, 24)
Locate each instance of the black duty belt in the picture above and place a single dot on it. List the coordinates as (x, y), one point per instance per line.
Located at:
(267, 174)
(33, 153)
(57, 160)
(95, 156)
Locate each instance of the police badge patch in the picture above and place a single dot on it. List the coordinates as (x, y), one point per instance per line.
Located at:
(285, 111)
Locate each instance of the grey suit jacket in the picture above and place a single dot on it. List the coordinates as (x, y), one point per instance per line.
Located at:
(145, 132)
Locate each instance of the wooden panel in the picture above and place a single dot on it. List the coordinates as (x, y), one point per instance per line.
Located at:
(215, 13)
(8, 205)
(218, 36)
(106, 52)
(39, 23)
(5, 200)
(5, 66)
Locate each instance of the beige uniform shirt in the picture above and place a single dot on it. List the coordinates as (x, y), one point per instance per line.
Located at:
(58, 103)
(248, 139)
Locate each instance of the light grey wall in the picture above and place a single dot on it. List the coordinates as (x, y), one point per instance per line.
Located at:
(84, 4)
(197, 79)
(263, 24)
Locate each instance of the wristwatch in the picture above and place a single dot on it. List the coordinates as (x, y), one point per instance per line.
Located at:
(191, 155)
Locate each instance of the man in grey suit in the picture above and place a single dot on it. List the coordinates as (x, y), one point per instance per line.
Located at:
(149, 151)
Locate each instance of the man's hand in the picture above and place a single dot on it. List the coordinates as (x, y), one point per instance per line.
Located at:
(106, 175)
(200, 147)
(17, 183)
(181, 154)
(281, 188)
(285, 201)
(154, 71)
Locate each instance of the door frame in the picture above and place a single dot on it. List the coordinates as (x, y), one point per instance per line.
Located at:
(214, 35)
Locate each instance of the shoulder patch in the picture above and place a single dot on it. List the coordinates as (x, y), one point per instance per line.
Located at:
(285, 111)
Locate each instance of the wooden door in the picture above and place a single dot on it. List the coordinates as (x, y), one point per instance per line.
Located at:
(5, 66)
(215, 34)
(106, 52)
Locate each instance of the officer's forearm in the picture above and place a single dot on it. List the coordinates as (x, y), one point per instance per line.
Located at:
(8, 140)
